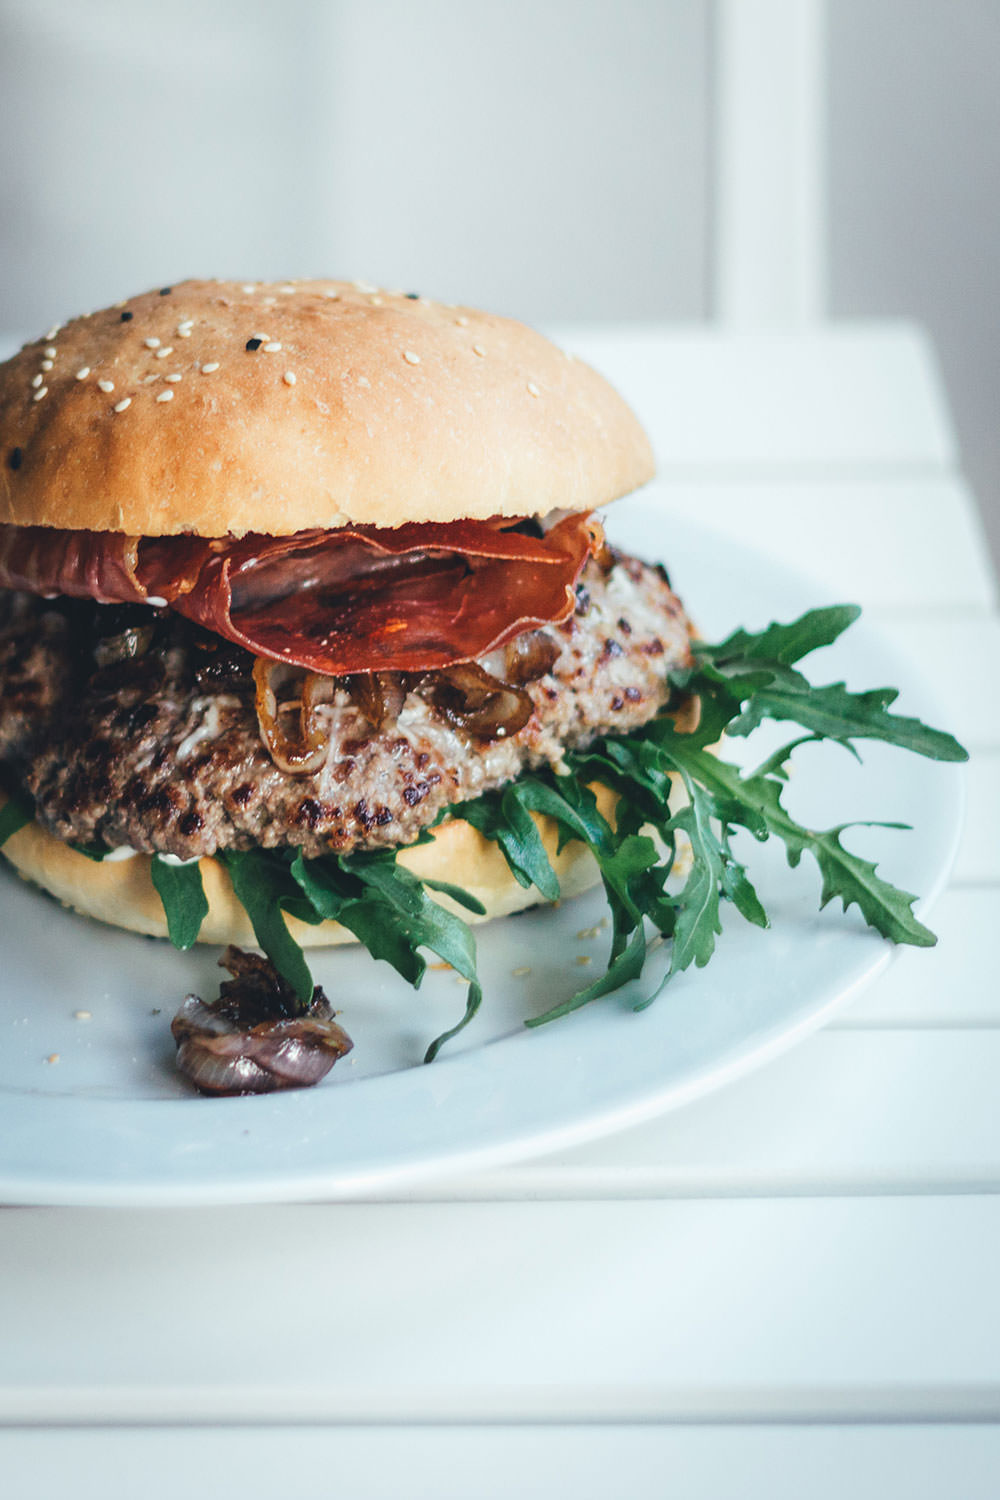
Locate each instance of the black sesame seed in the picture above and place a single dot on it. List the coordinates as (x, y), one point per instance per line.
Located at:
(127, 317)
(253, 344)
(413, 296)
(14, 458)
(165, 291)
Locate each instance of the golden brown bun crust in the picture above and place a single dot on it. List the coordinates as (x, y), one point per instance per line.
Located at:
(122, 893)
(375, 409)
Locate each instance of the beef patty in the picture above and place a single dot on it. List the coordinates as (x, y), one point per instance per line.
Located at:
(133, 727)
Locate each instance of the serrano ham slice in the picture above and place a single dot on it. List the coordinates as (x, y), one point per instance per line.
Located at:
(359, 599)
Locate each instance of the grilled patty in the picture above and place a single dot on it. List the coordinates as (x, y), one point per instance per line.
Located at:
(132, 727)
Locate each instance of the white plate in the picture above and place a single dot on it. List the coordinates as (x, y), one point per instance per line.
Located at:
(110, 1122)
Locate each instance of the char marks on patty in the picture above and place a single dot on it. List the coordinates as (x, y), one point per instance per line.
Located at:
(159, 748)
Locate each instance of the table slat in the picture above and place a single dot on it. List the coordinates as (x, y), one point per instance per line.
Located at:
(494, 1463)
(844, 395)
(511, 1311)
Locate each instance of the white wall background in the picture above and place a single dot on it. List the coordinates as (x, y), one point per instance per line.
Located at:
(548, 158)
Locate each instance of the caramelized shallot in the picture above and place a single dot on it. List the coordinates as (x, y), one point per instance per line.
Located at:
(529, 656)
(468, 697)
(256, 1037)
(379, 695)
(296, 755)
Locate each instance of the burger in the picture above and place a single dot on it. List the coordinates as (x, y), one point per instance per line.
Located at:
(306, 577)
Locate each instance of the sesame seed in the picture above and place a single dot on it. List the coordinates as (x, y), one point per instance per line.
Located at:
(185, 323)
(253, 344)
(152, 343)
(268, 301)
(127, 317)
(163, 353)
(53, 331)
(286, 290)
(365, 286)
(332, 296)
(462, 322)
(166, 395)
(533, 389)
(273, 347)
(583, 959)
(39, 394)
(248, 288)
(15, 458)
(165, 291)
(375, 301)
(46, 364)
(37, 380)
(82, 1015)
(412, 296)
(124, 404)
(289, 377)
(50, 352)
(478, 349)
(107, 386)
(83, 372)
(410, 357)
(210, 368)
(522, 971)
(172, 379)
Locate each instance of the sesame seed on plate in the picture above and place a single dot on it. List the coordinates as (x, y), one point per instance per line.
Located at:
(37, 380)
(289, 377)
(82, 1015)
(163, 353)
(172, 379)
(107, 386)
(83, 372)
(533, 389)
(272, 347)
(583, 959)
(520, 972)
(40, 393)
(152, 343)
(210, 368)
(410, 357)
(166, 395)
(478, 349)
(123, 404)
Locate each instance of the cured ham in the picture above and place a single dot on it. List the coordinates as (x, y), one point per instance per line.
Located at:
(360, 599)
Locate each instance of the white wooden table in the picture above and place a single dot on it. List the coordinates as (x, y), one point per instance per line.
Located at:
(787, 1289)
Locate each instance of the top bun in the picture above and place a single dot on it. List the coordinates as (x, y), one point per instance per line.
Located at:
(221, 407)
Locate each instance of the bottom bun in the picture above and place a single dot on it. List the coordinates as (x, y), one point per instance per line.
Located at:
(121, 891)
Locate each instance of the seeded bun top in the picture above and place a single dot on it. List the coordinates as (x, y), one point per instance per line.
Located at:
(224, 407)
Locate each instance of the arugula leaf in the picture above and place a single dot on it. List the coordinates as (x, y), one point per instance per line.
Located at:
(15, 813)
(262, 884)
(504, 818)
(185, 904)
(739, 682)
